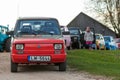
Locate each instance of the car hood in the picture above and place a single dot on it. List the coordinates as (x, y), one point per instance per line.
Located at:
(38, 39)
(74, 36)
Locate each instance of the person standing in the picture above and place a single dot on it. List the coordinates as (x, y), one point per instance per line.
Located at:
(88, 37)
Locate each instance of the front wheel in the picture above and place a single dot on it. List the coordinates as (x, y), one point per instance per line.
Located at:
(79, 45)
(62, 66)
(14, 67)
(1, 50)
(68, 48)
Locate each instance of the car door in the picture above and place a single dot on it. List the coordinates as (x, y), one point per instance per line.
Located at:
(113, 42)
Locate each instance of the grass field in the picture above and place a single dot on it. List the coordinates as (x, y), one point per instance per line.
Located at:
(98, 62)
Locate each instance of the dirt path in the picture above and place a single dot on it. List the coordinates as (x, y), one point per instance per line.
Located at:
(37, 72)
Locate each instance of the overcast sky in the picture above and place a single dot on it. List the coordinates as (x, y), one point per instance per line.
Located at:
(63, 10)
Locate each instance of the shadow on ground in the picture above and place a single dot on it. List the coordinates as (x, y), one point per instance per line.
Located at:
(37, 68)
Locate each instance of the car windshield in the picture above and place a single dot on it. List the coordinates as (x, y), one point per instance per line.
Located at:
(3, 30)
(97, 37)
(74, 32)
(107, 39)
(42, 27)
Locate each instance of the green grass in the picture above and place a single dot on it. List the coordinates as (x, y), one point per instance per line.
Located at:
(100, 62)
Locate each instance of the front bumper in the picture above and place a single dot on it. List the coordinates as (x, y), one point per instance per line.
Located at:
(23, 58)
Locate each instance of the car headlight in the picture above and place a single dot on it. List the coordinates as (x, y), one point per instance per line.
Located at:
(19, 46)
(58, 46)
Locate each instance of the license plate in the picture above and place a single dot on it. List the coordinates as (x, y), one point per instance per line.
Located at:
(39, 58)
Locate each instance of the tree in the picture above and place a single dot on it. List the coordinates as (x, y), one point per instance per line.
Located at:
(110, 11)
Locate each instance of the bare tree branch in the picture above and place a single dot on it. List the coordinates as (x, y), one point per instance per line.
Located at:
(110, 10)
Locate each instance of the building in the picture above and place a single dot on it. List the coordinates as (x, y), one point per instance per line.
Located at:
(83, 20)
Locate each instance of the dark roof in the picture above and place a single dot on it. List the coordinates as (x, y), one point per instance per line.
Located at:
(90, 18)
(93, 19)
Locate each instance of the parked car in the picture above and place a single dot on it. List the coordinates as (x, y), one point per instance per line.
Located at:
(36, 41)
(66, 36)
(5, 39)
(75, 34)
(100, 42)
(110, 43)
(117, 40)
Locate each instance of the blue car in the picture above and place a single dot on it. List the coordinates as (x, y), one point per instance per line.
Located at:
(110, 43)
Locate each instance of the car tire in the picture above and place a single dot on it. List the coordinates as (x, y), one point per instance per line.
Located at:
(110, 48)
(98, 47)
(62, 66)
(7, 45)
(14, 67)
(56, 64)
(73, 46)
(68, 48)
(107, 48)
(1, 50)
(78, 45)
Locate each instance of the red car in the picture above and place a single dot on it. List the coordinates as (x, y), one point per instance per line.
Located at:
(117, 40)
(37, 40)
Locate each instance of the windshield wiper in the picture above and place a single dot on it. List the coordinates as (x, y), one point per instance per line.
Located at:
(19, 33)
(44, 32)
(34, 33)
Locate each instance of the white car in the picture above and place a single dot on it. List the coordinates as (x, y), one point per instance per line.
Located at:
(66, 36)
(100, 42)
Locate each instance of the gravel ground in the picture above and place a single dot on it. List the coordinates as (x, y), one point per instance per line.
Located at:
(38, 72)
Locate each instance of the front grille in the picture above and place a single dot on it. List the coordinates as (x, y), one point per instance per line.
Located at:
(74, 39)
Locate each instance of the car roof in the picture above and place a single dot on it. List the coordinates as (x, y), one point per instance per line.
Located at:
(34, 18)
(99, 34)
(73, 28)
(107, 36)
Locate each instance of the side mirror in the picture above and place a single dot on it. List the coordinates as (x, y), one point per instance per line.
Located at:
(66, 33)
(10, 33)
